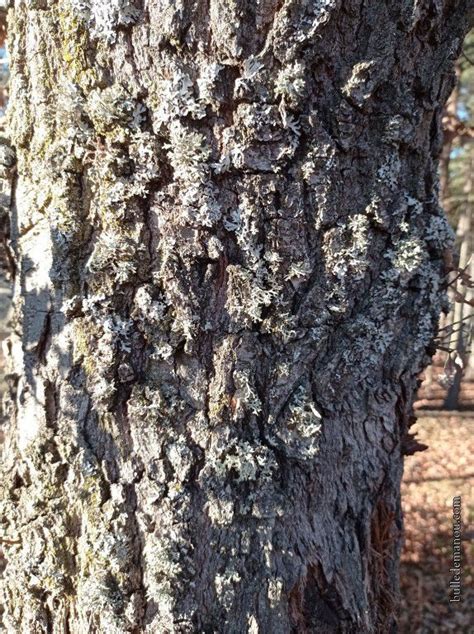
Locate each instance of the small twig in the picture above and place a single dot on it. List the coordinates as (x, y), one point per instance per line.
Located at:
(459, 321)
(468, 58)
(449, 350)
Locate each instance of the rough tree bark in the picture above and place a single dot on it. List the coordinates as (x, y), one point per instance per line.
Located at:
(229, 271)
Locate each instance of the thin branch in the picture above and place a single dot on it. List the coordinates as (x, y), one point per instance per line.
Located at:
(468, 59)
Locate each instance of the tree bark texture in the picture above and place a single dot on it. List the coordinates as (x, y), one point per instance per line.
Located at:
(229, 270)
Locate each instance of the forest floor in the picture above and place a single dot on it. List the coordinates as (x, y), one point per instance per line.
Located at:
(432, 478)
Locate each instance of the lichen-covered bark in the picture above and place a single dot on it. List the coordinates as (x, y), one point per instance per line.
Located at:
(229, 257)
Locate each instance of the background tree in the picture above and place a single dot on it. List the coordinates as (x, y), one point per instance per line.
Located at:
(453, 360)
(458, 201)
(230, 263)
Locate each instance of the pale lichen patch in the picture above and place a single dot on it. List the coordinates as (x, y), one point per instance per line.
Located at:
(360, 85)
(298, 428)
(104, 17)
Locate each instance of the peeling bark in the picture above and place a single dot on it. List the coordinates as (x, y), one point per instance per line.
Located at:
(229, 255)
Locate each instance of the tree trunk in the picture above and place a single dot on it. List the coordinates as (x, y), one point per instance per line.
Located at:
(229, 256)
(450, 122)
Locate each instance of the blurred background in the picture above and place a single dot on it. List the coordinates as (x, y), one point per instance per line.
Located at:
(445, 406)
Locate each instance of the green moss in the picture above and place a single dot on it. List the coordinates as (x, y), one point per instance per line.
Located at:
(82, 348)
(74, 46)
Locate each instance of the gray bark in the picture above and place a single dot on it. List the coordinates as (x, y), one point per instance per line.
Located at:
(229, 255)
